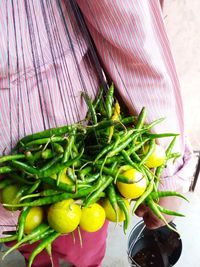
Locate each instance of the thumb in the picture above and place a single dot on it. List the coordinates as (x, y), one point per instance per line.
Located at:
(141, 210)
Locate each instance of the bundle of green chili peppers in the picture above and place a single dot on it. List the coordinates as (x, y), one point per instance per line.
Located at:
(94, 154)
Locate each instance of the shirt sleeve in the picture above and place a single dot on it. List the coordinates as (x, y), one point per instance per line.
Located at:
(132, 43)
(8, 220)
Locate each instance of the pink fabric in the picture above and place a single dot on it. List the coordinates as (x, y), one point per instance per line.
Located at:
(69, 249)
(132, 43)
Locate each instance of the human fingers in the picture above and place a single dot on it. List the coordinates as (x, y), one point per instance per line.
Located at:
(151, 221)
(141, 210)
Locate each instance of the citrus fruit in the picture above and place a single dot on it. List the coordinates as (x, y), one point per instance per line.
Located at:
(92, 218)
(64, 216)
(34, 218)
(63, 177)
(8, 195)
(135, 189)
(110, 213)
(156, 158)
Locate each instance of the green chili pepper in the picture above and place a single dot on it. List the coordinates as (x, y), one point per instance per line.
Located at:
(169, 212)
(159, 194)
(33, 187)
(51, 163)
(62, 186)
(167, 153)
(129, 161)
(89, 179)
(42, 236)
(100, 126)
(25, 167)
(11, 157)
(45, 242)
(104, 151)
(57, 148)
(68, 149)
(141, 118)
(99, 98)
(71, 175)
(21, 223)
(84, 172)
(102, 108)
(109, 160)
(126, 121)
(134, 148)
(153, 123)
(37, 231)
(33, 157)
(29, 156)
(44, 193)
(113, 173)
(5, 169)
(95, 195)
(123, 207)
(52, 199)
(135, 157)
(112, 197)
(174, 156)
(47, 153)
(157, 212)
(21, 191)
(143, 197)
(8, 238)
(123, 145)
(154, 136)
(170, 147)
(45, 134)
(20, 179)
(90, 107)
(58, 167)
(151, 148)
(109, 101)
(44, 141)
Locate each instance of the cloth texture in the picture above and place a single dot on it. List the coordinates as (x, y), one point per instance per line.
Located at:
(69, 249)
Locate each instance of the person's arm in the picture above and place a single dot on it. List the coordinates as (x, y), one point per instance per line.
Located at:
(8, 220)
(132, 43)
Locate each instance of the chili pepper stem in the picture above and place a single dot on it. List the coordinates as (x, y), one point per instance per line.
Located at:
(45, 242)
(41, 228)
(73, 237)
(49, 251)
(80, 237)
(29, 196)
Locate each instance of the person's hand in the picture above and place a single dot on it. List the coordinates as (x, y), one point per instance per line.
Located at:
(150, 219)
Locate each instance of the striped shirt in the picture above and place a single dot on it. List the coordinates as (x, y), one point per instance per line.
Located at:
(46, 63)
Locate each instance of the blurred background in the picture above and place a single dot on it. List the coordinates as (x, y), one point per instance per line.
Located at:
(183, 22)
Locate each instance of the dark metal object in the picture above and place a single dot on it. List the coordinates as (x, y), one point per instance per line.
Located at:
(161, 247)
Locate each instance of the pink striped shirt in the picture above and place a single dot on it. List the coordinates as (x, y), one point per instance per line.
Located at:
(40, 81)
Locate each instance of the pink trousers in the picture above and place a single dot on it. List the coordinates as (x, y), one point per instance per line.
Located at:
(90, 254)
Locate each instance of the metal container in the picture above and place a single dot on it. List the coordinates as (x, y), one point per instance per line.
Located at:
(161, 247)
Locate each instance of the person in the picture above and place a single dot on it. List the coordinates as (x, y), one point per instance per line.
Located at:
(40, 88)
